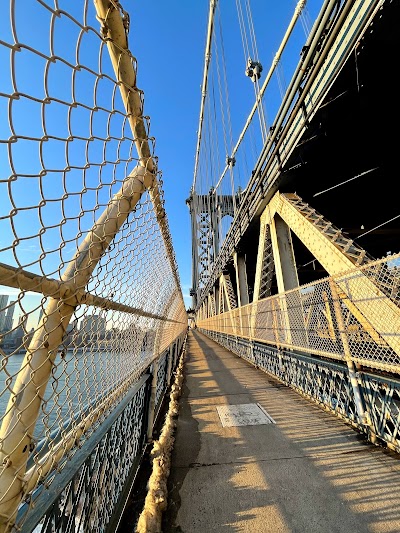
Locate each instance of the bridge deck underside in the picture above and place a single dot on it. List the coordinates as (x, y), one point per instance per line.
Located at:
(308, 471)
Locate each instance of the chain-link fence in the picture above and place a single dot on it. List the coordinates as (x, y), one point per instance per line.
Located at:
(354, 316)
(89, 290)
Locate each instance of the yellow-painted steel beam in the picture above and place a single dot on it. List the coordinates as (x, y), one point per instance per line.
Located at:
(374, 307)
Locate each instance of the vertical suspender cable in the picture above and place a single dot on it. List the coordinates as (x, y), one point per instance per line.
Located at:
(207, 57)
(299, 7)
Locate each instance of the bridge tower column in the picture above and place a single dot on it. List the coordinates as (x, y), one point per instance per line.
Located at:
(206, 213)
(215, 218)
(241, 279)
(285, 263)
(274, 230)
(286, 277)
(216, 298)
(195, 253)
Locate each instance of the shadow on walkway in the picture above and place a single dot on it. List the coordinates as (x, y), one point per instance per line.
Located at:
(309, 472)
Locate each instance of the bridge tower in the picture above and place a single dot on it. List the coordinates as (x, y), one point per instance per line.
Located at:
(206, 213)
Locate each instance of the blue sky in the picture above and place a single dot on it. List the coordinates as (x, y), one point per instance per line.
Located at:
(168, 40)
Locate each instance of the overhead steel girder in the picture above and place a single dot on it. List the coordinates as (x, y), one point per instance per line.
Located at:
(348, 27)
(371, 302)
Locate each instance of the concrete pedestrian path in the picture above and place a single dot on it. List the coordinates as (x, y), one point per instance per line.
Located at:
(307, 472)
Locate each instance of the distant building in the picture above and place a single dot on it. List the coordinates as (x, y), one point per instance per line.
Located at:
(93, 326)
(40, 315)
(3, 311)
(71, 335)
(72, 326)
(21, 333)
(8, 323)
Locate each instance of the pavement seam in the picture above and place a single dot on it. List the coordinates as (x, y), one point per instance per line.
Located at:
(256, 461)
(220, 395)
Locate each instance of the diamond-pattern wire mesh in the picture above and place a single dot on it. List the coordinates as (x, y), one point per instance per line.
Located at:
(65, 148)
(355, 315)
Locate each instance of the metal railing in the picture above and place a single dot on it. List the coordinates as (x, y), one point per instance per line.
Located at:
(91, 487)
(335, 340)
(90, 298)
(339, 317)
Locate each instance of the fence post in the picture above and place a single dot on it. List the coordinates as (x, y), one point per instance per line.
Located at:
(152, 402)
(353, 375)
(275, 327)
(171, 357)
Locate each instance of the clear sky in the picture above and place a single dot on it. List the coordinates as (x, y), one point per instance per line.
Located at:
(168, 40)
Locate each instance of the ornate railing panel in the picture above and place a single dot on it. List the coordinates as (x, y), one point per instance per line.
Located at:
(328, 384)
(87, 491)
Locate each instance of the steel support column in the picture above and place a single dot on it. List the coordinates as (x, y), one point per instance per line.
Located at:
(359, 288)
(286, 275)
(241, 279)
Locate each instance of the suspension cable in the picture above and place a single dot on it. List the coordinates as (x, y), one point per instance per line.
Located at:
(252, 32)
(254, 57)
(207, 58)
(298, 10)
(228, 142)
(242, 30)
(377, 227)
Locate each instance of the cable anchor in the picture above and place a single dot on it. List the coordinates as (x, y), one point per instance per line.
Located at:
(230, 161)
(253, 69)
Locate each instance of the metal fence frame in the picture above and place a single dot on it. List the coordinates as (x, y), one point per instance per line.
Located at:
(60, 507)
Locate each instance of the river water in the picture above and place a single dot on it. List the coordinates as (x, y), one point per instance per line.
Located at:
(76, 381)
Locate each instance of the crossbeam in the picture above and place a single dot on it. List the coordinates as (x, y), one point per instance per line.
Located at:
(67, 291)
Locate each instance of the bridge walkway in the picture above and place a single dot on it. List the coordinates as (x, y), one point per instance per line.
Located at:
(307, 472)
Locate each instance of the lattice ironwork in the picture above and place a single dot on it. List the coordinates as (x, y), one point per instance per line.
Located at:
(161, 376)
(207, 212)
(89, 497)
(268, 266)
(230, 291)
(383, 401)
